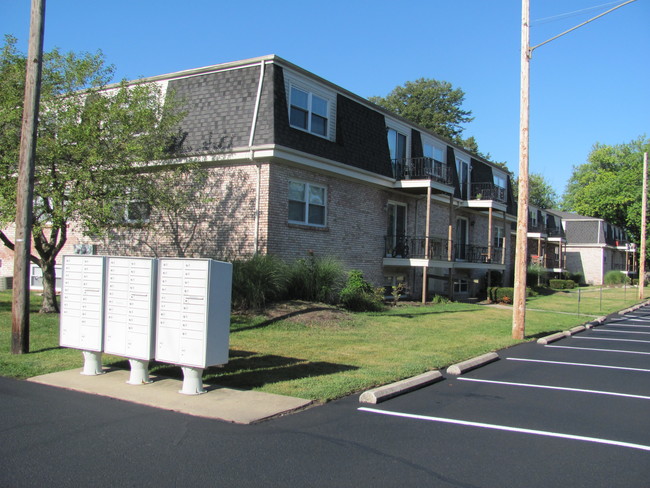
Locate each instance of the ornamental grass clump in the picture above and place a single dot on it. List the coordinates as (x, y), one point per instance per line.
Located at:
(359, 296)
(258, 281)
(315, 279)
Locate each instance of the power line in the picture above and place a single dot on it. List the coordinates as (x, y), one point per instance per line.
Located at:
(546, 20)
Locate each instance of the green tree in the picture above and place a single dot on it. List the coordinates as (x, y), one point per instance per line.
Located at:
(609, 185)
(435, 105)
(540, 192)
(93, 143)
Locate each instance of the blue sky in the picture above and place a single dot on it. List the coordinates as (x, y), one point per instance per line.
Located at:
(589, 86)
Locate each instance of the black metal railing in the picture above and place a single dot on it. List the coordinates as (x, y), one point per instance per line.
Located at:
(478, 254)
(547, 261)
(555, 232)
(488, 191)
(438, 250)
(421, 169)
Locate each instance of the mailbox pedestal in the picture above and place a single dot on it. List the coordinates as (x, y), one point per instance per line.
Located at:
(193, 316)
(82, 309)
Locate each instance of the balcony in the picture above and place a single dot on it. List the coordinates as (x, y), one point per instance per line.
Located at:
(548, 261)
(409, 247)
(488, 191)
(421, 169)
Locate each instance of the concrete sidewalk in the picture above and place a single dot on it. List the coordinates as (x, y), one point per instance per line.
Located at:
(230, 405)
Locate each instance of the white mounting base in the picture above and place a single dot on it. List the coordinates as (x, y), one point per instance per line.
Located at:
(192, 381)
(139, 372)
(92, 363)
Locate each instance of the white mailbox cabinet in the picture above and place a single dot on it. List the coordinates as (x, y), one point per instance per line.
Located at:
(82, 303)
(130, 307)
(193, 312)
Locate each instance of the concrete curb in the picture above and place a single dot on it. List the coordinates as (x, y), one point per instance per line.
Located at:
(400, 387)
(634, 307)
(575, 330)
(460, 368)
(551, 338)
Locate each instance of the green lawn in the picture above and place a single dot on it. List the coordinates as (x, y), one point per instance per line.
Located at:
(322, 357)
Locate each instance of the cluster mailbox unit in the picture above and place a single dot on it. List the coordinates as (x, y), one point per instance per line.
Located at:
(174, 310)
(193, 317)
(129, 317)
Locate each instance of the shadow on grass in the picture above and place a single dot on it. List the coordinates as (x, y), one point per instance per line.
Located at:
(246, 370)
(539, 335)
(280, 318)
(412, 315)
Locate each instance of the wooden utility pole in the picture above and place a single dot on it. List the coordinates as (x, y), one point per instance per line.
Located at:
(644, 210)
(25, 183)
(521, 252)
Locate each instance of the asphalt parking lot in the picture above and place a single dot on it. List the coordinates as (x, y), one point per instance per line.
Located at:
(573, 413)
(580, 406)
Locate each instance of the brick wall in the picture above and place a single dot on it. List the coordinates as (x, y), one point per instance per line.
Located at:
(220, 224)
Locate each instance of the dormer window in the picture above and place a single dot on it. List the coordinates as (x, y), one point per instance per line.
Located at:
(309, 112)
(311, 106)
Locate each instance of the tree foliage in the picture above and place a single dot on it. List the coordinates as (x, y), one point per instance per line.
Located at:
(435, 105)
(609, 185)
(540, 192)
(93, 141)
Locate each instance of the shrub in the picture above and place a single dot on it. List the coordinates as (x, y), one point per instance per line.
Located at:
(578, 278)
(440, 300)
(359, 296)
(496, 277)
(258, 281)
(315, 279)
(504, 294)
(562, 284)
(615, 277)
(536, 274)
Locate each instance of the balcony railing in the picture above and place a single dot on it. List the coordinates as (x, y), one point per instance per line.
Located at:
(547, 261)
(421, 169)
(488, 191)
(415, 247)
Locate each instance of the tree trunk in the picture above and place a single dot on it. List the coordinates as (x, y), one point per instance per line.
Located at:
(50, 304)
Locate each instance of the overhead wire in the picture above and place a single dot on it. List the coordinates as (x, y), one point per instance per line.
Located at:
(552, 18)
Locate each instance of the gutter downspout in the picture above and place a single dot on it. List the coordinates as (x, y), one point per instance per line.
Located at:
(256, 229)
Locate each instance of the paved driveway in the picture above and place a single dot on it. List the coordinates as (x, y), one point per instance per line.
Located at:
(575, 413)
(572, 413)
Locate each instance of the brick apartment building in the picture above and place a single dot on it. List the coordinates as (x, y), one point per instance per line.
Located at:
(297, 164)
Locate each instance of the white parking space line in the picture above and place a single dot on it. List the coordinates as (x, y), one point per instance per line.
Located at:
(559, 388)
(608, 339)
(508, 428)
(632, 319)
(629, 325)
(597, 349)
(622, 331)
(565, 363)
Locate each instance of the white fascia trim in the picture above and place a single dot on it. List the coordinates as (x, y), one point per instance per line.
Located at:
(329, 166)
(486, 204)
(588, 246)
(273, 151)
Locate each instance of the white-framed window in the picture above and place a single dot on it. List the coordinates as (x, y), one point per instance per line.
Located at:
(434, 151)
(312, 107)
(397, 144)
(437, 152)
(307, 203)
(501, 182)
(309, 112)
(498, 235)
(532, 217)
(137, 212)
(36, 277)
(461, 286)
(463, 169)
